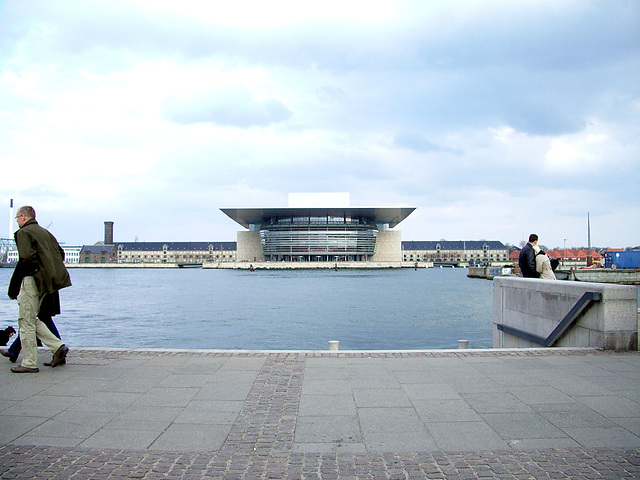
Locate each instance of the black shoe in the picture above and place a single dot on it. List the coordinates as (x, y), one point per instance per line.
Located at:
(59, 358)
(5, 353)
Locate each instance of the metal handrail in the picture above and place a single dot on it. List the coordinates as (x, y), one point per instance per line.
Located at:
(581, 305)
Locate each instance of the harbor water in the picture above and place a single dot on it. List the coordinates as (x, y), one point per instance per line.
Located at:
(393, 309)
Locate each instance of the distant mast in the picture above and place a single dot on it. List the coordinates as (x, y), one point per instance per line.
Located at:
(10, 219)
(589, 258)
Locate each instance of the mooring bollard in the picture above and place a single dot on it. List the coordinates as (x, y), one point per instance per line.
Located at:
(462, 344)
(333, 344)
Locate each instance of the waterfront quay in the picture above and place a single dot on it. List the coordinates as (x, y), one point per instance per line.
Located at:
(455, 414)
(313, 265)
(260, 265)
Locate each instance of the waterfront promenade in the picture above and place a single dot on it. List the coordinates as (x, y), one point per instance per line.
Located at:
(463, 414)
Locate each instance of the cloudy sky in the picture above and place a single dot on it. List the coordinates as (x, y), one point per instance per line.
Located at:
(494, 118)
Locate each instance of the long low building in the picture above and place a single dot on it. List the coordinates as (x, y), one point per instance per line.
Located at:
(460, 251)
(307, 238)
(342, 247)
(175, 252)
(158, 252)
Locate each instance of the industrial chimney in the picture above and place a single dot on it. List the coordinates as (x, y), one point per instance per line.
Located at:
(108, 233)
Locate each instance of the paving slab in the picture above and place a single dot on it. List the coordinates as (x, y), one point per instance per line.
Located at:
(114, 414)
(318, 405)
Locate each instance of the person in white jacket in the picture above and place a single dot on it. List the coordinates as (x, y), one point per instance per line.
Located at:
(543, 266)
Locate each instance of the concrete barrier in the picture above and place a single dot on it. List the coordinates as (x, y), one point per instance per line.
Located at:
(538, 307)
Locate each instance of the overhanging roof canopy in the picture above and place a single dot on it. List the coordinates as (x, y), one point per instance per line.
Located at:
(390, 215)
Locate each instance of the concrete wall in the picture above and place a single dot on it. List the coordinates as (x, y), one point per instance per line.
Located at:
(388, 246)
(537, 306)
(249, 248)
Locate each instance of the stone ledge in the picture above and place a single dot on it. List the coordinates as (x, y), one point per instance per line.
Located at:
(99, 352)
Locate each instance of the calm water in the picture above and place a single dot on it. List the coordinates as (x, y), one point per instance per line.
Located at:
(274, 309)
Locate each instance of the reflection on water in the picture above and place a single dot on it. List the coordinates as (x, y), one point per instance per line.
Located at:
(271, 309)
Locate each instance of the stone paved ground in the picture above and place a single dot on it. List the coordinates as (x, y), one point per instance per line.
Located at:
(261, 443)
(25, 462)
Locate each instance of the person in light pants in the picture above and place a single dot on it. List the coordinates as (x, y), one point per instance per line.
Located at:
(40, 271)
(31, 327)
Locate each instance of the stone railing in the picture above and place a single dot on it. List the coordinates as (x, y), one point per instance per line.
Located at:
(534, 313)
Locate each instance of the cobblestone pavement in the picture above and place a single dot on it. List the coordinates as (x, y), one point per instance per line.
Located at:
(261, 441)
(23, 462)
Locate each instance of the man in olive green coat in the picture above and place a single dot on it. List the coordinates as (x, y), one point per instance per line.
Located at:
(41, 266)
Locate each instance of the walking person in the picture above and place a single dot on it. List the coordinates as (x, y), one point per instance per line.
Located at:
(50, 307)
(41, 266)
(527, 258)
(6, 334)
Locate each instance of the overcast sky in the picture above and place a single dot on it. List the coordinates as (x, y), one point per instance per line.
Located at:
(494, 118)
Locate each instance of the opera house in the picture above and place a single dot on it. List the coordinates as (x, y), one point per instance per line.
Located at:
(307, 232)
(312, 230)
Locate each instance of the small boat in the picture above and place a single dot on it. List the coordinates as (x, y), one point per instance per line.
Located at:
(190, 265)
(445, 264)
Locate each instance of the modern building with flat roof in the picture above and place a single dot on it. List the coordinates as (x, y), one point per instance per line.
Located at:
(319, 233)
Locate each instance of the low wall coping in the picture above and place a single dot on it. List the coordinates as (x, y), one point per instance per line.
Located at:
(538, 306)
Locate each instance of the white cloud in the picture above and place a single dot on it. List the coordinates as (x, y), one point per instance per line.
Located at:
(233, 106)
(494, 118)
(276, 13)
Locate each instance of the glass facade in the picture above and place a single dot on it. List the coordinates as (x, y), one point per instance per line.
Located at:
(318, 234)
(318, 238)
